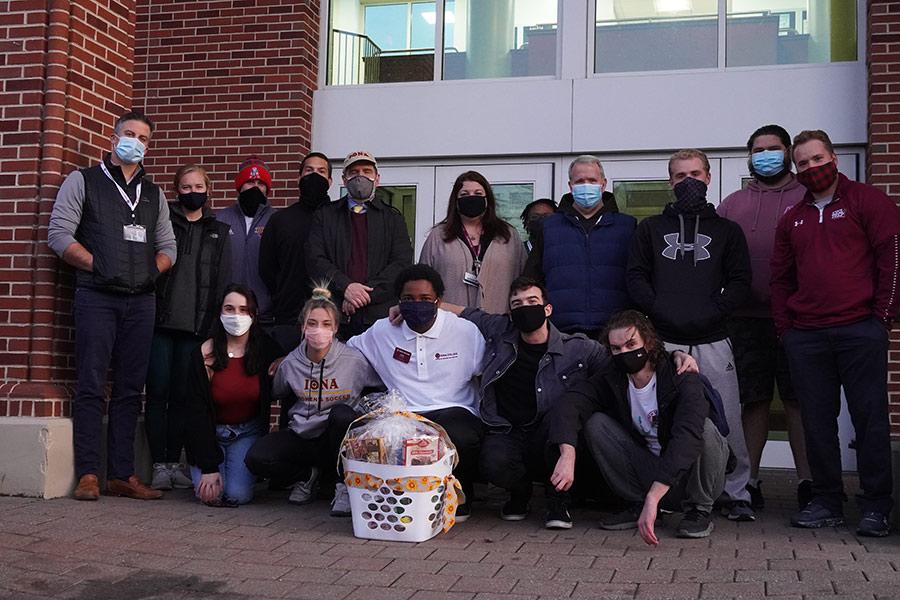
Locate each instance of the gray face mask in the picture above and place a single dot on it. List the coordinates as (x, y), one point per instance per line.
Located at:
(361, 188)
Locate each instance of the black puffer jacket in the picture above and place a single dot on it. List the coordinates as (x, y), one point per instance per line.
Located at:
(196, 282)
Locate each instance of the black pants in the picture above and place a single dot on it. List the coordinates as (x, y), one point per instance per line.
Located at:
(822, 361)
(513, 460)
(466, 431)
(166, 389)
(286, 457)
(111, 331)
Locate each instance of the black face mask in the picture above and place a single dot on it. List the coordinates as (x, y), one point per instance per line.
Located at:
(313, 190)
(250, 200)
(193, 200)
(690, 195)
(471, 206)
(632, 361)
(528, 318)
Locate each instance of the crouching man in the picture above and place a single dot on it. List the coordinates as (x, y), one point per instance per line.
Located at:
(649, 431)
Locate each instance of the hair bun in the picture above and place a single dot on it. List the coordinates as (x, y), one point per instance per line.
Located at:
(321, 291)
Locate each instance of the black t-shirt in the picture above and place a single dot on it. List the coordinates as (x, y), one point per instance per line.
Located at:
(516, 401)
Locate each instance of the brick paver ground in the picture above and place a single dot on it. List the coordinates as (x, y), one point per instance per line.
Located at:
(174, 548)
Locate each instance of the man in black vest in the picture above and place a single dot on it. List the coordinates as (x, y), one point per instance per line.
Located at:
(112, 224)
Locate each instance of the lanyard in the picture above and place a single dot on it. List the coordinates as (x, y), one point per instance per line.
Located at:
(137, 194)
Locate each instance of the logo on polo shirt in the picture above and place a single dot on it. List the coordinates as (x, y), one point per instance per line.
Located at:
(838, 214)
(445, 355)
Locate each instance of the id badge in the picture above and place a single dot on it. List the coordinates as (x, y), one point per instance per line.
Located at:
(470, 279)
(134, 233)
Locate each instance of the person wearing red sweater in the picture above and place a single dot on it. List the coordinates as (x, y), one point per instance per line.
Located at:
(834, 295)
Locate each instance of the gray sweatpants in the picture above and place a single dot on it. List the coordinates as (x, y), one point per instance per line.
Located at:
(629, 468)
(716, 362)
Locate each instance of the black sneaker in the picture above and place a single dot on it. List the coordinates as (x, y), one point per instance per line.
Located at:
(627, 519)
(873, 524)
(558, 516)
(695, 524)
(515, 509)
(740, 510)
(815, 516)
(463, 512)
(804, 493)
(757, 502)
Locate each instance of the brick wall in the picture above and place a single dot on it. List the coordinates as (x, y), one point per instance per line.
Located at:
(65, 73)
(883, 164)
(225, 79)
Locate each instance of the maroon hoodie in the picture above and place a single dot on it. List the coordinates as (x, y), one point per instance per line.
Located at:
(838, 265)
(757, 209)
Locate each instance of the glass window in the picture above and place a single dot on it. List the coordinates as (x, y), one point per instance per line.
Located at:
(783, 32)
(372, 41)
(655, 35)
(499, 38)
(643, 198)
(512, 198)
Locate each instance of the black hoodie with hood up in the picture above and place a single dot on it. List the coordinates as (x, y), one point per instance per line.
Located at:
(688, 272)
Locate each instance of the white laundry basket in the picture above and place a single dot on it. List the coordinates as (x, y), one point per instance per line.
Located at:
(403, 515)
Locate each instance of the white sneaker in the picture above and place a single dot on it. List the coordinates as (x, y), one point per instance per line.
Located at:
(180, 480)
(340, 506)
(304, 492)
(162, 478)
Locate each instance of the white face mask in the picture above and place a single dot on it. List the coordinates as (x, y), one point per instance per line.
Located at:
(236, 325)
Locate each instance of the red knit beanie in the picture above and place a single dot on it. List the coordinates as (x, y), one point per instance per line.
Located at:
(250, 169)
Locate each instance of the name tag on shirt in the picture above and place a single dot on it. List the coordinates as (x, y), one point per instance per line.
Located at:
(402, 355)
(134, 233)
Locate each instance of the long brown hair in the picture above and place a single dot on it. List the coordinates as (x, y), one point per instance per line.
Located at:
(253, 359)
(632, 318)
(492, 226)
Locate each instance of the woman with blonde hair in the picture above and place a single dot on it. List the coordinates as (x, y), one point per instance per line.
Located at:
(319, 384)
(187, 303)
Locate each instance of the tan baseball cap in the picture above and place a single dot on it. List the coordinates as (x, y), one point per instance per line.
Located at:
(359, 156)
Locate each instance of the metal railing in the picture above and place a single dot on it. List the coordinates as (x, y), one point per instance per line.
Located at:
(354, 59)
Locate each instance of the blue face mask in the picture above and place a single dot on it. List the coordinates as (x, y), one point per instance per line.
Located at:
(587, 195)
(767, 162)
(418, 314)
(130, 150)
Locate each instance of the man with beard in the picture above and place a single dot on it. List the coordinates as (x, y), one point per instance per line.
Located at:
(759, 356)
(282, 261)
(248, 218)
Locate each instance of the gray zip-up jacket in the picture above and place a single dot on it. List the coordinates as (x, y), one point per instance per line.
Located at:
(308, 390)
(245, 250)
(569, 358)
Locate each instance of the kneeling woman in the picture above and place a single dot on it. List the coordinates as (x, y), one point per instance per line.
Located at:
(319, 385)
(229, 395)
(648, 428)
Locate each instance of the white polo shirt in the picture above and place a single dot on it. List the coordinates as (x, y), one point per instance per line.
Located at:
(433, 370)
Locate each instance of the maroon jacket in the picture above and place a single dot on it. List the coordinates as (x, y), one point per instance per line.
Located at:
(838, 265)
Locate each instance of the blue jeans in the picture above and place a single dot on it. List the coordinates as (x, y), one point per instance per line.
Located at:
(235, 441)
(111, 330)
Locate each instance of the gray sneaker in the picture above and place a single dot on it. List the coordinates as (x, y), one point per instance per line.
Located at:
(162, 478)
(741, 510)
(180, 480)
(620, 521)
(340, 506)
(304, 492)
(695, 524)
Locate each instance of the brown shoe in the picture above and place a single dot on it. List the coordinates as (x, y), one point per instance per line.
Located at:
(87, 488)
(132, 488)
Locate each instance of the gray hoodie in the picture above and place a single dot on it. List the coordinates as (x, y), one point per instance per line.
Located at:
(338, 379)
